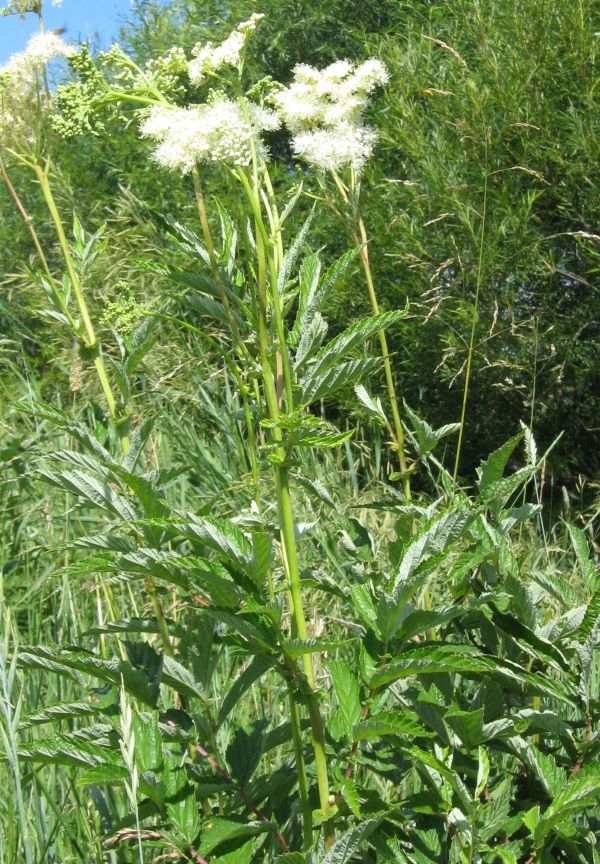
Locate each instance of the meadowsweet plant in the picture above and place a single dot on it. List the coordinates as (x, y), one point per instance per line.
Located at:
(226, 128)
(277, 692)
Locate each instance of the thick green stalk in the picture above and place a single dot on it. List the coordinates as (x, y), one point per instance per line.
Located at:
(92, 343)
(235, 333)
(286, 516)
(90, 339)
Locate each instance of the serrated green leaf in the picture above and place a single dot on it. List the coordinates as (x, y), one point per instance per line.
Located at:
(355, 335)
(220, 535)
(296, 648)
(351, 796)
(245, 750)
(93, 491)
(349, 843)
(63, 711)
(582, 792)
(320, 386)
(373, 405)
(185, 818)
(493, 468)
(317, 290)
(177, 676)
(427, 437)
(253, 671)
(347, 692)
(390, 723)
(291, 255)
(218, 830)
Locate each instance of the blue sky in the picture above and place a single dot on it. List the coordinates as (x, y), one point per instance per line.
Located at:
(83, 18)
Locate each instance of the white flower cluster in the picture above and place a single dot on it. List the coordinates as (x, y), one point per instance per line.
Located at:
(323, 111)
(41, 49)
(330, 149)
(19, 84)
(22, 7)
(210, 58)
(215, 132)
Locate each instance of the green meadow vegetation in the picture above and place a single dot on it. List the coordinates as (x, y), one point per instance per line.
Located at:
(299, 434)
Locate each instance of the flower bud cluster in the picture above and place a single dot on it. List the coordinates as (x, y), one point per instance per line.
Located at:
(323, 110)
(22, 7)
(168, 71)
(77, 101)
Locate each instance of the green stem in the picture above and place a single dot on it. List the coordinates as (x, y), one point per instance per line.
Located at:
(307, 823)
(473, 325)
(361, 237)
(90, 340)
(285, 510)
(214, 263)
(236, 335)
(389, 378)
(38, 246)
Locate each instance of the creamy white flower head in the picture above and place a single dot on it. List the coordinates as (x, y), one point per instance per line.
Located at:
(332, 149)
(331, 77)
(210, 58)
(180, 136)
(41, 49)
(369, 75)
(251, 23)
(22, 100)
(300, 106)
(215, 132)
(323, 110)
(305, 74)
(44, 47)
(263, 118)
(337, 94)
(346, 110)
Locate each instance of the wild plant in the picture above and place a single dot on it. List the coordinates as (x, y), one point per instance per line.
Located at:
(463, 731)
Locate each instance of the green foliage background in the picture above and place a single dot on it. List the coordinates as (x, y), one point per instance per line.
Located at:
(490, 106)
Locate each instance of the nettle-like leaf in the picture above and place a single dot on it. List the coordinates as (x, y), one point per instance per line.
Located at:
(251, 673)
(584, 558)
(93, 491)
(351, 841)
(322, 386)
(291, 256)
(347, 692)
(220, 535)
(423, 552)
(219, 830)
(351, 338)
(372, 404)
(428, 438)
(492, 469)
(314, 291)
(245, 750)
(438, 658)
(581, 793)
